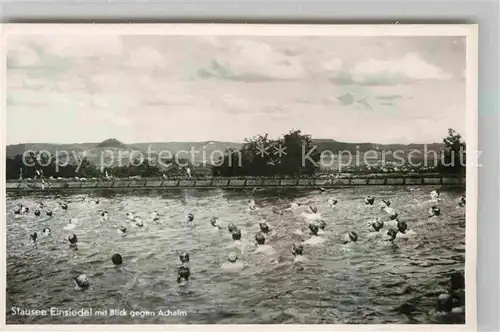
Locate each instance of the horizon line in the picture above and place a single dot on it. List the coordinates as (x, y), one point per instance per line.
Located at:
(217, 141)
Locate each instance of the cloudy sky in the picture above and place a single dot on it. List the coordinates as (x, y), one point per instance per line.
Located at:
(76, 88)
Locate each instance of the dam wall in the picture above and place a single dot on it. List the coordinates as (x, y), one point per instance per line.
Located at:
(156, 184)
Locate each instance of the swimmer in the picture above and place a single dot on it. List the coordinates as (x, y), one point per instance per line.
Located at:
(434, 211)
(18, 209)
(73, 239)
(40, 205)
(104, 216)
(232, 264)
(454, 300)
(461, 201)
(155, 216)
(33, 237)
(390, 212)
(231, 228)
(138, 222)
(117, 259)
(251, 205)
(321, 226)
(332, 202)
(214, 221)
(312, 209)
(385, 203)
(190, 217)
(377, 224)
(49, 213)
(37, 213)
(350, 237)
(314, 239)
(298, 252)
(236, 234)
(71, 224)
(82, 281)
(369, 200)
(183, 274)
(64, 206)
(402, 227)
(264, 227)
(184, 257)
(391, 233)
(435, 195)
(122, 230)
(130, 216)
(262, 247)
(46, 231)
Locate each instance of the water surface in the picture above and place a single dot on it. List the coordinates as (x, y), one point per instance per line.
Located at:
(368, 282)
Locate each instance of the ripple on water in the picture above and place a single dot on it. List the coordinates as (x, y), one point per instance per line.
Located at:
(365, 282)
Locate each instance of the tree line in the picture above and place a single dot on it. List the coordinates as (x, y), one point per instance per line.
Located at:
(292, 155)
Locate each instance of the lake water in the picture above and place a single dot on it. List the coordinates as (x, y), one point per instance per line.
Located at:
(367, 282)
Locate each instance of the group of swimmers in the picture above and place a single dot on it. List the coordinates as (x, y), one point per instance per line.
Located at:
(450, 302)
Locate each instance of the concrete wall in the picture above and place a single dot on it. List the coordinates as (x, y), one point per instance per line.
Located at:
(233, 183)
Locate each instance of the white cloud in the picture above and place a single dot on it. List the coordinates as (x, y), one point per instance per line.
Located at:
(410, 67)
(254, 60)
(332, 65)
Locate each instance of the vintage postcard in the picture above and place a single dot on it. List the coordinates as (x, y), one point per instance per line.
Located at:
(279, 175)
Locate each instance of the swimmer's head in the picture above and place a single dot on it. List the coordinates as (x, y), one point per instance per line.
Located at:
(33, 236)
(190, 217)
(184, 257)
(64, 206)
(183, 274)
(402, 226)
(96, 201)
(457, 281)
(213, 221)
(321, 224)
(40, 205)
(264, 228)
(37, 213)
(260, 239)
(232, 257)
(392, 234)
(231, 228)
(236, 234)
(72, 239)
(297, 250)
(46, 231)
(49, 213)
(122, 229)
(313, 209)
(314, 229)
(353, 236)
(117, 259)
(377, 224)
(104, 213)
(369, 200)
(82, 281)
(435, 210)
(386, 202)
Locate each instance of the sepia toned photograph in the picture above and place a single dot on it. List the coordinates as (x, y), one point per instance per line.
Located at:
(227, 174)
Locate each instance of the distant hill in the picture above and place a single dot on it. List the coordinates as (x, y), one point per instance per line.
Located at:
(118, 151)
